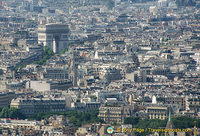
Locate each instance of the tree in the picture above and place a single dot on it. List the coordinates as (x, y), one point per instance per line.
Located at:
(15, 113)
(12, 113)
(93, 97)
(179, 122)
(75, 118)
(47, 53)
(4, 112)
(63, 51)
(183, 122)
(132, 120)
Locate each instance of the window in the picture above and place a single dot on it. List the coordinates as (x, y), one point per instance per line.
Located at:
(49, 37)
(65, 36)
(41, 37)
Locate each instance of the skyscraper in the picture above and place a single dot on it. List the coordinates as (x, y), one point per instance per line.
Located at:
(1, 4)
(73, 69)
(54, 36)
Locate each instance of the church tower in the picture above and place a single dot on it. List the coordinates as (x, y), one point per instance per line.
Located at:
(169, 125)
(195, 129)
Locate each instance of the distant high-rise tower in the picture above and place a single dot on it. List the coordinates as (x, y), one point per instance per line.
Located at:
(73, 70)
(54, 36)
(1, 4)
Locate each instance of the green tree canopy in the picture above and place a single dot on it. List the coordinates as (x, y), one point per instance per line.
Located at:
(12, 113)
(47, 54)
